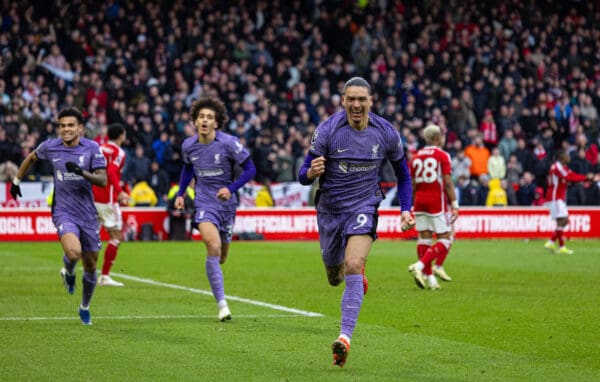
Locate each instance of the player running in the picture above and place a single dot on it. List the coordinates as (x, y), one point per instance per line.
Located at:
(346, 153)
(77, 164)
(210, 157)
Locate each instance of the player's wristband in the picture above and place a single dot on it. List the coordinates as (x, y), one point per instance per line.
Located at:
(16, 181)
(454, 204)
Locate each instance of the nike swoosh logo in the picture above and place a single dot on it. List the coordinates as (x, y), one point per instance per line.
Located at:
(195, 158)
(55, 159)
(342, 150)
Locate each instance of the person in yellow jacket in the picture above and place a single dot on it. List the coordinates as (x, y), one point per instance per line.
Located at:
(263, 196)
(174, 188)
(142, 195)
(496, 196)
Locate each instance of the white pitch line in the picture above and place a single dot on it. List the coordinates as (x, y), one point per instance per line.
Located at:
(229, 297)
(148, 317)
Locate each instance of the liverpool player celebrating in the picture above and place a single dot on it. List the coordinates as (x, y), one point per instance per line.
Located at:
(210, 157)
(559, 177)
(346, 153)
(433, 191)
(107, 199)
(77, 163)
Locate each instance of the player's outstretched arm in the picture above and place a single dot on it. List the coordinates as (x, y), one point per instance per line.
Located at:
(28, 162)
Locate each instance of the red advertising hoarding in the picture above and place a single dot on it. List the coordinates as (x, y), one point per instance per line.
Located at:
(300, 223)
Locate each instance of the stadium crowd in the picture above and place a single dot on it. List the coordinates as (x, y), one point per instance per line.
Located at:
(510, 82)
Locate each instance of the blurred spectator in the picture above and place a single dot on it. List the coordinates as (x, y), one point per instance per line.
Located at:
(496, 196)
(138, 167)
(592, 191)
(496, 165)
(461, 165)
(158, 179)
(8, 171)
(483, 189)
(539, 199)
(513, 170)
(264, 158)
(162, 148)
(524, 155)
(507, 144)
(488, 129)
(527, 190)
(468, 192)
(142, 195)
(590, 149)
(479, 155)
(541, 164)
(263, 196)
(511, 195)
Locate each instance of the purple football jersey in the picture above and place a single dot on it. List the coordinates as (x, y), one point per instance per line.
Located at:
(73, 197)
(353, 160)
(213, 165)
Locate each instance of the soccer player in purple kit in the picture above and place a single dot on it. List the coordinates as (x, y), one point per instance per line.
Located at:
(210, 156)
(77, 164)
(346, 153)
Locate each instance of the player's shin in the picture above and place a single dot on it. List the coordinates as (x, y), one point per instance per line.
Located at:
(110, 254)
(89, 284)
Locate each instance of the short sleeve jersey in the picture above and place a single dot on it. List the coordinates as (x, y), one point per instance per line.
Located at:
(213, 165)
(73, 196)
(115, 156)
(427, 169)
(353, 160)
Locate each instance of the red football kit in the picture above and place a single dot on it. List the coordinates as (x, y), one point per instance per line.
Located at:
(115, 159)
(427, 169)
(559, 177)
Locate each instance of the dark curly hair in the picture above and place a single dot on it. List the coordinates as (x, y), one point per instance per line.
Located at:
(71, 112)
(213, 104)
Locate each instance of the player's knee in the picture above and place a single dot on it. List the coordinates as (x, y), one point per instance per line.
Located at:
(353, 266)
(73, 253)
(335, 280)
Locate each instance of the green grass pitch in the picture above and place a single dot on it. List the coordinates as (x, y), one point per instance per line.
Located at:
(513, 312)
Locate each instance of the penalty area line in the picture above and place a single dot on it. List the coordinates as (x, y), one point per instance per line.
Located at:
(229, 297)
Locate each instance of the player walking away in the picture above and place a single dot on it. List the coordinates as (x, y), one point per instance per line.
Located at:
(431, 172)
(558, 179)
(108, 199)
(210, 157)
(346, 154)
(77, 164)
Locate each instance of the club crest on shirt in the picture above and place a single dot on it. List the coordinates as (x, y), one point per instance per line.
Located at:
(59, 175)
(374, 150)
(217, 158)
(81, 159)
